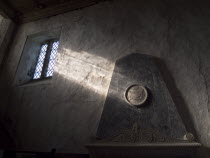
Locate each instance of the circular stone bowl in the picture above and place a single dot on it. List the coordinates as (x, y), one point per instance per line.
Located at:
(136, 95)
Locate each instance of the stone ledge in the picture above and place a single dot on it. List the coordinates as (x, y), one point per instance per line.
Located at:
(143, 145)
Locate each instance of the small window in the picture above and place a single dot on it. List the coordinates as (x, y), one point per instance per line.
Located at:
(46, 60)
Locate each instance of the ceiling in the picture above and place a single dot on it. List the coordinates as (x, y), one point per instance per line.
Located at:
(29, 10)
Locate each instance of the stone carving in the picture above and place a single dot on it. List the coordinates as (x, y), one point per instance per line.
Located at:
(136, 95)
(189, 137)
(139, 135)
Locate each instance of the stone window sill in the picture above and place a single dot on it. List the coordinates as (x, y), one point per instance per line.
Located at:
(36, 82)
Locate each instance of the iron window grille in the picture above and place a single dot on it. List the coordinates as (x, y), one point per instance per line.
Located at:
(46, 60)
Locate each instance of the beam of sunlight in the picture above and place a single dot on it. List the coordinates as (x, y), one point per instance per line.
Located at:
(91, 71)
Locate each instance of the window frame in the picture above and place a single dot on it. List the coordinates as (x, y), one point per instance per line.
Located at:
(46, 60)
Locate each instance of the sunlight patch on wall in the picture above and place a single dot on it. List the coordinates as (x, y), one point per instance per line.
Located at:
(88, 70)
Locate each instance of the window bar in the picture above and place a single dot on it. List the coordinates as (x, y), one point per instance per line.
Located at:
(47, 58)
(40, 62)
(51, 63)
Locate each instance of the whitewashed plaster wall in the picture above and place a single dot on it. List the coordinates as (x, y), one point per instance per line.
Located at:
(64, 113)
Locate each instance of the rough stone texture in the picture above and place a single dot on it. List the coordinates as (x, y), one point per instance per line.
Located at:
(6, 30)
(4, 24)
(5, 35)
(159, 112)
(65, 112)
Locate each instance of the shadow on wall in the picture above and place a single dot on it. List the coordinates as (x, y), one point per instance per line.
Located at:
(65, 112)
(7, 141)
(117, 30)
(177, 97)
(204, 152)
(148, 26)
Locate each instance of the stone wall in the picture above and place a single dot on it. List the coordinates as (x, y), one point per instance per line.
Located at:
(6, 31)
(64, 112)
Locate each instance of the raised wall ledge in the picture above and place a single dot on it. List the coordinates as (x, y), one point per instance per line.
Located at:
(36, 82)
(143, 145)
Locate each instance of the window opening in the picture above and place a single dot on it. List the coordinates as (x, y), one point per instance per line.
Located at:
(46, 60)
